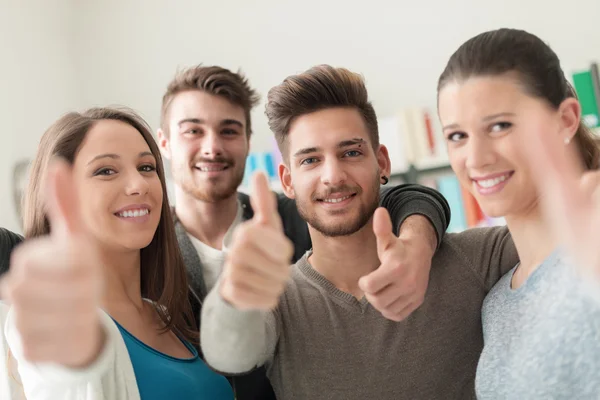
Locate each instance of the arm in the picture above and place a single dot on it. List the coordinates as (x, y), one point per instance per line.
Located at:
(103, 376)
(419, 215)
(402, 201)
(238, 330)
(489, 252)
(235, 341)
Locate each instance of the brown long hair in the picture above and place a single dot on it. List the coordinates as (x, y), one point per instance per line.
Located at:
(537, 68)
(163, 274)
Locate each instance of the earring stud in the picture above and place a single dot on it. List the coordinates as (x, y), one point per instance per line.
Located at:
(385, 179)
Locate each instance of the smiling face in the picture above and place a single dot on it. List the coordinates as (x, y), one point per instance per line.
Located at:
(120, 191)
(333, 172)
(484, 120)
(207, 145)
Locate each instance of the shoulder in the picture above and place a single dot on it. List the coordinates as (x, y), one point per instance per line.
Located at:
(9, 239)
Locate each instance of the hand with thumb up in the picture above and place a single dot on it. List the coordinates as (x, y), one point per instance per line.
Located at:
(257, 267)
(398, 286)
(54, 283)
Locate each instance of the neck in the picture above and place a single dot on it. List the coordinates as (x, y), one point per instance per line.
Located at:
(343, 260)
(122, 280)
(207, 222)
(533, 238)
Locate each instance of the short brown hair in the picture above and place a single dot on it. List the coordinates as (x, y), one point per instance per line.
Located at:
(537, 68)
(213, 80)
(163, 273)
(318, 88)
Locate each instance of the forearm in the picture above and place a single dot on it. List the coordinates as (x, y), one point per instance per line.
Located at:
(419, 227)
(235, 341)
(404, 201)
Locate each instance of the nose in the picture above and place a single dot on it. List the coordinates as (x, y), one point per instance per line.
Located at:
(212, 144)
(333, 173)
(137, 184)
(480, 153)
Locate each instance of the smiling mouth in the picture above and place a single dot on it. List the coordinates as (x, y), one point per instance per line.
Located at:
(490, 183)
(335, 200)
(133, 213)
(211, 168)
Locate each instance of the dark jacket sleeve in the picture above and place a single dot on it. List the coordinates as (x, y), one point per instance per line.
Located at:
(405, 200)
(294, 226)
(8, 241)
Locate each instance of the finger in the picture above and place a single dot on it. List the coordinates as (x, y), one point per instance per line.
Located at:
(402, 313)
(255, 281)
(263, 201)
(269, 242)
(255, 263)
(382, 227)
(62, 201)
(388, 296)
(378, 280)
(245, 298)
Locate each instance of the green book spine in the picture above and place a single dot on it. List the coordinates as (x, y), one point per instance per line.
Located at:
(584, 86)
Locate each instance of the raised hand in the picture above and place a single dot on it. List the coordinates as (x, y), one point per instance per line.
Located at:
(54, 283)
(398, 286)
(257, 267)
(569, 197)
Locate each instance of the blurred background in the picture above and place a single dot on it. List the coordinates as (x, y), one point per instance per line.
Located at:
(63, 55)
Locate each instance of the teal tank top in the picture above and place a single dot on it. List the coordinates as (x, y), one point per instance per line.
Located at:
(160, 376)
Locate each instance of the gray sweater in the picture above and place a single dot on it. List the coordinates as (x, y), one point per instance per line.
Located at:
(322, 343)
(542, 340)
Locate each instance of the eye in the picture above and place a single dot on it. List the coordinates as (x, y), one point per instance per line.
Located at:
(307, 161)
(230, 132)
(105, 172)
(455, 136)
(192, 131)
(147, 168)
(501, 126)
(352, 153)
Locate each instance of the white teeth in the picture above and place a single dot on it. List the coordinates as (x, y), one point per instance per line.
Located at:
(204, 168)
(133, 213)
(336, 200)
(488, 183)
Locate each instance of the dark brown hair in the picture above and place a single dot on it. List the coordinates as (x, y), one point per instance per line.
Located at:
(163, 274)
(318, 88)
(535, 65)
(213, 80)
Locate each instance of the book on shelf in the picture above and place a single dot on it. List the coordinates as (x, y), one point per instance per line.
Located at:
(464, 209)
(587, 87)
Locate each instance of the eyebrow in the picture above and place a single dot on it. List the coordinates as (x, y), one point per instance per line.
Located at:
(341, 145)
(485, 119)
(116, 156)
(226, 121)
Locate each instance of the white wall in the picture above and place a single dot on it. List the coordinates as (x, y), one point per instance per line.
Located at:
(37, 85)
(62, 54)
(130, 49)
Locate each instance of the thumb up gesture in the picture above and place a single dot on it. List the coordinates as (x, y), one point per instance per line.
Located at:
(257, 267)
(54, 283)
(398, 286)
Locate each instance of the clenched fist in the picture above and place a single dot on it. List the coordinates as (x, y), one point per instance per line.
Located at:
(257, 267)
(54, 283)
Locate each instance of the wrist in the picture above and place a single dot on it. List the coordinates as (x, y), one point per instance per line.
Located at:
(418, 228)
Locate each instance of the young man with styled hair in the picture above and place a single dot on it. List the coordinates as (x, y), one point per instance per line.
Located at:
(205, 134)
(317, 327)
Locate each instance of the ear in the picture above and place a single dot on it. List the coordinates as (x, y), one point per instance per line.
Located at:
(383, 160)
(164, 144)
(570, 118)
(285, 177)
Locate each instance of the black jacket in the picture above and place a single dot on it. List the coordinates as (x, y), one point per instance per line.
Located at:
(8, 241)
(401, 202)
